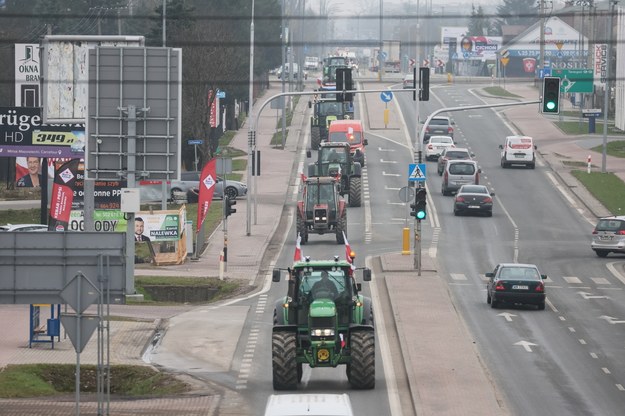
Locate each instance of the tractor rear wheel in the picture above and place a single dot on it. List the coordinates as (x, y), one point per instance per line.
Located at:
(355, 191)
(341, 227)
(284, 361)
(361, 370)
(301, 229)
(315, 138)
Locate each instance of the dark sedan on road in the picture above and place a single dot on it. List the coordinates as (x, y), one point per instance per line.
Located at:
(516, 283)
(474, 199)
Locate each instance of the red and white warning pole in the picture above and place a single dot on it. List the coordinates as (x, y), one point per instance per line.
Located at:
(589, 164)
(221, 265)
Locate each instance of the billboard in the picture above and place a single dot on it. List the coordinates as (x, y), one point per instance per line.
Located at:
(27, 75)
(66, 74)
(23, 134)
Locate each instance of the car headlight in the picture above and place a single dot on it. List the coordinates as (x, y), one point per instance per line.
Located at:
(322, 332)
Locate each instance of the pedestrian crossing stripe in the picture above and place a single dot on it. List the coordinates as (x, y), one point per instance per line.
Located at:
(416, 172)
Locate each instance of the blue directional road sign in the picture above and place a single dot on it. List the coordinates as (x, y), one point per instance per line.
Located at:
(416, 172)
(221, 94)
(192, 142)
(386, 96)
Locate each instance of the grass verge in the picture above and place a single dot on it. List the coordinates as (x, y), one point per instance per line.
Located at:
(614, 148)
(36, 380)
(607, 188)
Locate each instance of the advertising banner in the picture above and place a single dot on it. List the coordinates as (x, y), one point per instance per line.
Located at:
(600, 59)
(62, 196)
(27, 75)
(23, 134)
(161, 226)
(208, 180)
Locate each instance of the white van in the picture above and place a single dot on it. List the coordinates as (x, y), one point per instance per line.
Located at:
(309, 405)
(518, 150)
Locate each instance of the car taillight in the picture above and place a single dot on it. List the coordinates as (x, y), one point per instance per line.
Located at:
(450, 129)
(445, 177)
(430, 146)
(540, 287)
(459, 199)
(477, 178)
(488, 199)
(620, 232)
(595, 231)
(500, 286)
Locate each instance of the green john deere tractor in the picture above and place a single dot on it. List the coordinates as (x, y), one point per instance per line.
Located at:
(324, 112)
(323, 321)
(334, 159)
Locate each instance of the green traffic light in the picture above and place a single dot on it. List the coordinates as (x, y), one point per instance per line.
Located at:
(551, 105)
(420, 215)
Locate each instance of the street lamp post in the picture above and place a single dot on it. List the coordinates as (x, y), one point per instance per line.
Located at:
(251, 141)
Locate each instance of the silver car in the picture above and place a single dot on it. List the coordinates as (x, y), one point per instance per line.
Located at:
(609, 236)
(458, 173)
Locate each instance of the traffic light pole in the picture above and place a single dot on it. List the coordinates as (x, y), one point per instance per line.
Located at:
(417, 247)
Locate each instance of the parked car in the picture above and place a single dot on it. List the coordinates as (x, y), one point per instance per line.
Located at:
(516, 283)
(189, 185)
(23, 227)
(474, 199)
(439, 125)
(452, 153)
(458, 173)
(435, 146)
(609, 236)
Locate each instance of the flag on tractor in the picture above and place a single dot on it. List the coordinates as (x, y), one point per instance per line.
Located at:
(299, 256)
(349, 254)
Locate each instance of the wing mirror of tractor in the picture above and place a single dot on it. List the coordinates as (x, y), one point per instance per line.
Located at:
(309, 104)
(365, 142)
(501, 146)
(308, 153)
(275, 277)
(366, 275)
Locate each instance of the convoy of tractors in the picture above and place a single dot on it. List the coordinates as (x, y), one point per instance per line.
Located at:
(324, 320)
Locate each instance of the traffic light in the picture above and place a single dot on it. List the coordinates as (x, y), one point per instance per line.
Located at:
(551, 95)
(344, 83)
(424, 84)
(229, 203)
(420, 204)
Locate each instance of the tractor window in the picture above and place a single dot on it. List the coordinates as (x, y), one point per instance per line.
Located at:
(326, 193)
(335, 155)
(312, 193)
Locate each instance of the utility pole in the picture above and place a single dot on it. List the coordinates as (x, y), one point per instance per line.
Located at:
(606, 94)
(541, 62)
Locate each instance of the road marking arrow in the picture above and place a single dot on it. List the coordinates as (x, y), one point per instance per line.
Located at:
(507, 315)
(387, 161)
(611, 319)
(587, 295)
(526, 345)
(385, 150)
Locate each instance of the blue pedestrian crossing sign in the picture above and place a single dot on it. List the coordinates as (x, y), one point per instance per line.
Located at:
(416, 172)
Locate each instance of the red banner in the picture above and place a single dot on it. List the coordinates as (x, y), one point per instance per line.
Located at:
(208, 180)
(62, 195)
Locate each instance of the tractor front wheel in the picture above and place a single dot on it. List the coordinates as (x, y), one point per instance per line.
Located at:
(361, 370)
(301, 229)
(284, 361)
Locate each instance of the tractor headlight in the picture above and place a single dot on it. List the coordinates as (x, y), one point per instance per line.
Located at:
(322, 332)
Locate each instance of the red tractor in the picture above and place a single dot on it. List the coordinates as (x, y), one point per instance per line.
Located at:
(322, 209)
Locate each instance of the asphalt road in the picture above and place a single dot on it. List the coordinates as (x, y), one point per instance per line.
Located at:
(568, 358)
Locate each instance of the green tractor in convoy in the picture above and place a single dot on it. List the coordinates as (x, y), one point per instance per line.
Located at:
(324, 112)
(321, 209)
(323, 321)
(335, 160)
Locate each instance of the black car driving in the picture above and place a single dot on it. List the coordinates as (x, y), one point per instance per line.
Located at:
(515, 283)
